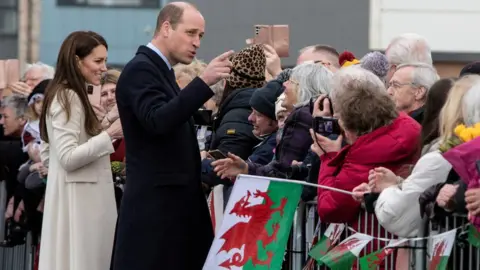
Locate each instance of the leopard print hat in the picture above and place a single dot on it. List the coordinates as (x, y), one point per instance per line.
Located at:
(248, 68)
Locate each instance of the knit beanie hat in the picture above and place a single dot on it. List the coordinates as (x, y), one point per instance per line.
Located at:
(38, 91)
(471, 68)
(347, 59)
(263, 99)
(248, 69)
(377, 63)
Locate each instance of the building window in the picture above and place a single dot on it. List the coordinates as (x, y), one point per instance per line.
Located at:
(8, 17)
(111, 3)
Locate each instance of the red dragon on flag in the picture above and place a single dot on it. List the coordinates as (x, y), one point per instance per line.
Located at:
(437, 254)
(246, 234)
(338, 251)
(379, 257)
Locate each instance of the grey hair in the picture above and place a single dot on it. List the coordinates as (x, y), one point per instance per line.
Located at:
(313, 81)
(409, 48)
(423, 75)
(377, 63)
(218, 91)
(48, 71)
(348, 79)
(18, 103)
(471, 105)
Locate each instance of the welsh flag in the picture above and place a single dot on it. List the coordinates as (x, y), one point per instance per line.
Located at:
(375, 259)
(441, 248)
(344, 255)
(473, 236)
(328, 240)
(256, 224)
(215, 205)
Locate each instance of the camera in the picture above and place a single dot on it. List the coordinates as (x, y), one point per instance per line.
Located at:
(326, 126)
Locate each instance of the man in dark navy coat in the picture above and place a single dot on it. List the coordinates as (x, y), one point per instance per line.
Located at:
(164, 221)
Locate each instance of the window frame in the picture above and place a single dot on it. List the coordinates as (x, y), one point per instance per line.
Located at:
(151, 4)
(13, 9)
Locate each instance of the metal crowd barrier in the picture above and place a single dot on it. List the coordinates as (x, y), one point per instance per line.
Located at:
(18, 257)
(303, 228)
(463, 256)
(13, 258)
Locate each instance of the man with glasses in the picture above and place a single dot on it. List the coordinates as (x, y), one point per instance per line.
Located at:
(409, 86)
(12, 120)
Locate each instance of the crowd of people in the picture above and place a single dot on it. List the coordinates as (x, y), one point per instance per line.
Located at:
(405, 142)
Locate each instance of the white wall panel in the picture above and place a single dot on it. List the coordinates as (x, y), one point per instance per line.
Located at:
(449, 26)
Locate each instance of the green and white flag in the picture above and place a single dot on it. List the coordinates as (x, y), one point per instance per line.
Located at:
(256, 225)
(441, 248)
(344, 255)
(326, 243)
(375, 259)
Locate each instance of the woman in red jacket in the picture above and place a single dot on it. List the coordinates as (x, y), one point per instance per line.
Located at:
(377, 135)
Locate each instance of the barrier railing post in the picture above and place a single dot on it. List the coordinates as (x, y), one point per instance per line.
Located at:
(3, 207)
(418, 255)
(310, 211)
(298, 256)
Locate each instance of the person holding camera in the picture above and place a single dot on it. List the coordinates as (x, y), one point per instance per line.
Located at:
(377, 135)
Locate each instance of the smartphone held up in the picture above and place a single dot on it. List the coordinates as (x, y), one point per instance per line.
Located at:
(277, 36)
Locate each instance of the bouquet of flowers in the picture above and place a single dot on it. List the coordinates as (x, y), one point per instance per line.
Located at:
(461, 135)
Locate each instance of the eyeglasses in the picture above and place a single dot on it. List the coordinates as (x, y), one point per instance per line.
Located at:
(397, 85)
(293, 81)
(322, 63)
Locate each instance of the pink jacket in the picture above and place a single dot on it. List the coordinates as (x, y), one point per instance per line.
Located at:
(465, 160)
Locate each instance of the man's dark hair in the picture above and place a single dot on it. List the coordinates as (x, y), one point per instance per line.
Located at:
(327, 50)
(171, 13)
(321, 48)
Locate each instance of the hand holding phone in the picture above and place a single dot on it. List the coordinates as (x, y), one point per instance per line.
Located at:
(217, 154)
(94, 93)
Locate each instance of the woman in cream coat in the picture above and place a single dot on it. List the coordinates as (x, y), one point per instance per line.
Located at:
(80, 210)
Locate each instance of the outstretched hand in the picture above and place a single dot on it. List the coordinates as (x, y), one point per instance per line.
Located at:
(219, 68)
(230, 167)
(360, 191)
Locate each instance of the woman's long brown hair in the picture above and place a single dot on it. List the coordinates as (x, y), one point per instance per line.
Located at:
(69, 77)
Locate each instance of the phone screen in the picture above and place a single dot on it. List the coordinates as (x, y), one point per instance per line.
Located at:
(94, 93)
(217, 154)
(326, 126)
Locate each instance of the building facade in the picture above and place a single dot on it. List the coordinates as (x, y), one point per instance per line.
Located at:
(8, 29)
(126, 24)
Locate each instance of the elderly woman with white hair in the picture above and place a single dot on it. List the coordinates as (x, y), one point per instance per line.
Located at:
(306, 82)
(34, 74)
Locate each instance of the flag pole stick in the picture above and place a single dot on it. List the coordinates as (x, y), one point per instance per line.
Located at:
(295, 182)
